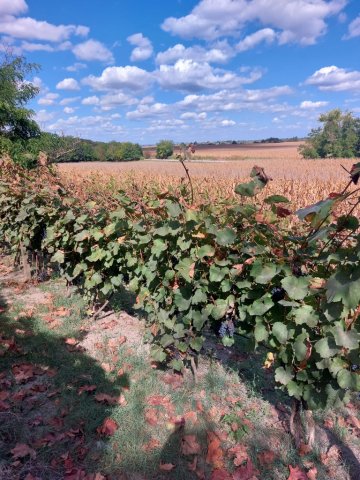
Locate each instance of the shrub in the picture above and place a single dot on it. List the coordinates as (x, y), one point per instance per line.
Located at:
(164, 149)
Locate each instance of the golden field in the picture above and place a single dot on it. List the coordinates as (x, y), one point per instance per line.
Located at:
(302, 181)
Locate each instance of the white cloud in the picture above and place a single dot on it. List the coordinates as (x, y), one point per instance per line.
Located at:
(76, 67)
(68, 84)
(48, 99)
(83, 126)
(13, 7)
(335, 79)
(34, 47)
(69, 110)
(301, 21)
(94, 100)
(227, 123)
(29, 28)
(93, 50)
(116, 78)
(265, 35)
(68, 100)
(309, 105)
(143, 47)
(191, 76)
(216, 54)
(194, 116)
(354, 28)
(149, 111)
(43, 116)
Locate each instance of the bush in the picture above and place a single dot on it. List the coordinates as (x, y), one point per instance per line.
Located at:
(164, 149)
(130, 151)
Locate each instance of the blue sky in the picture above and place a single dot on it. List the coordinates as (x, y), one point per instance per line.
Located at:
(187, 70)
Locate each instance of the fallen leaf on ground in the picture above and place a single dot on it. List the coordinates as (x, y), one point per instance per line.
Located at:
(266, 458)
(151, 445)
(86, 388)
(166, 467)
(152, 416)
(21, 450)
(215, 454)
(221, 474)
(296, 474)
(108, 427)
(105, 398)
(190, 445)
(240, 454)
(246, 472)
(304, 449)
(331, 456)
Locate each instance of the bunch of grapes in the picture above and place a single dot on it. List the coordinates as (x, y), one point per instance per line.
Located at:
(277, 294)
(227, 329)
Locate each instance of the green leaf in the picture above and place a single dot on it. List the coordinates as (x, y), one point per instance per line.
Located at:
(197, 343)
(177, 365)
(344, 286)
(260, 306)
(159, 246)
(306, 315)
(174, 209)
(81, 236)
(280, 332)
(226, 236)
(276, 199)
(227, 341)
(316, 213)
(348, 339)
(283, 376)
(246, 189)
(206, 251)
(58, 257)
(294, 389)
(263, 273)
(347, 222)
(326, 347)
(295, 287)
(217, 274)
(260, 332)
(220, 308)
(199, 297)
(186, 268)
(158, 354)
(97, 255)
(348, 380)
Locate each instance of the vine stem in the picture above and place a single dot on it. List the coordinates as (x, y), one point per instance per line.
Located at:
(181, 160)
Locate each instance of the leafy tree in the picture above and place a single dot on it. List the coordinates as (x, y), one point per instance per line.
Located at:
(339, 136)
(164, 149)
(15, 92)
(130, 151)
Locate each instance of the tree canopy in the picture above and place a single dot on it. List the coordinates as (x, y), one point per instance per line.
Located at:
(339, 136)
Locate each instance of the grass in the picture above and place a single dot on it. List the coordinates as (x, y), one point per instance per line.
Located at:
(158, 410)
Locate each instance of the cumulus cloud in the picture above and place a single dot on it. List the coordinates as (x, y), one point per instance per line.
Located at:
(116, 78)
(354, 28)
(335, 79)
(94, 100)
(265, 35)
(68, 100)
(301, 21)
(143, 47)
(93, 50)
(216, 54)
(13, 7)
(29, 28)
(191, 76)
(68, 84)
(109, 101)
(42, 116)
(227, 123)
(69, 110)
(309, 105)
(48, 99)
(76, 67)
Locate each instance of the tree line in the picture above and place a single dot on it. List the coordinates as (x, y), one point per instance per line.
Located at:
(22, 138)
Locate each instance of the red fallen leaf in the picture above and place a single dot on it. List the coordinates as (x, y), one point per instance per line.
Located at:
(151, 445)
(71, 341)
(189, 445)
(76, 474)
(166, 467)
(21, 450)
(266, 458)
(331, 456)
(4, 406)
(297, 474)
(104, 397)
(4, 395)
(116, 342)
(354, 421)
(108, 427)
(190, 417)
(215, 454)
(87, 388)
(240, 454)
(304, 449)
(221, 474)
(56, 422)
(312, 473)
(31, 477)
(192, 466)
(152, 416)
(199, 406)
(23, 372)
(62, 312)
(107, 367)
(173, 379)
(246, 472)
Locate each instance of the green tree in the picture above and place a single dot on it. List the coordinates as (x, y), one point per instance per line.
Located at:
(16, 121)
(130, 151)
(339, 136)
(164, 149)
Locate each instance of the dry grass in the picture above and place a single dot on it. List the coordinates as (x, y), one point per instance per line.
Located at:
(302, 181)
